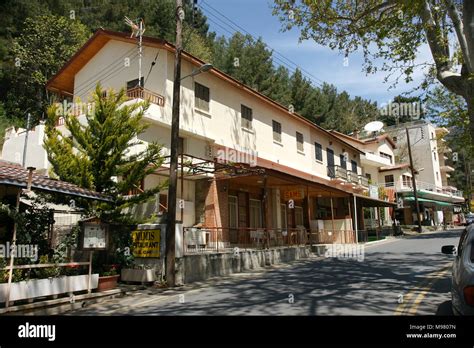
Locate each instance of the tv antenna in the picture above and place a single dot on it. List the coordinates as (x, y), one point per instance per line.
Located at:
(138, 28)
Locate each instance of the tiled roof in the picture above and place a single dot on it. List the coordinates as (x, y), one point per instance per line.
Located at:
(15, 175)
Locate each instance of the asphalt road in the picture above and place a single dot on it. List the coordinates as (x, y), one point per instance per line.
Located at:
(403, 276)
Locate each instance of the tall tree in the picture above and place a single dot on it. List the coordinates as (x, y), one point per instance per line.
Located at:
(103, 149)
(44, 45)
(396, 29)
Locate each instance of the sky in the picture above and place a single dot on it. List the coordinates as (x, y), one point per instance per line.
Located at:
(255, 16)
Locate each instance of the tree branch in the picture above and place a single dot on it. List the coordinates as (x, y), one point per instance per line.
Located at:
(460, 33)
(450, 80)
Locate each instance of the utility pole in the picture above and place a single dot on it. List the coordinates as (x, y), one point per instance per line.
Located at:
(413, 179)
(25, 146)
(173, 180)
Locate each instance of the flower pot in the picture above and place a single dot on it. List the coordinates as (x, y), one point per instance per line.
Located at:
(107, 282)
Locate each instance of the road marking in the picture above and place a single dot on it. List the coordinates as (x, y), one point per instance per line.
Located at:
(423, 293)
(422, 290)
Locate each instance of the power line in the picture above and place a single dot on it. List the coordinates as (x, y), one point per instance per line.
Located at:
(93, 79)
(234, 25)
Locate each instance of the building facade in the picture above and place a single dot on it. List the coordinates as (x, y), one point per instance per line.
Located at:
(251, 171)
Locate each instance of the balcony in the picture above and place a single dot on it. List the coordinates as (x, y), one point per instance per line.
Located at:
(337, 173)
(353, 177)
(428, 188)
(447, 169)
(145, 94)
(363, 181)
(375, 160)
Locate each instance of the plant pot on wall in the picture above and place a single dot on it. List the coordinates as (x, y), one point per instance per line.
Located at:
(107, 282)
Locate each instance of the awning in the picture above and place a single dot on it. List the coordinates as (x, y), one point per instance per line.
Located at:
(444, 204)
(367, 201)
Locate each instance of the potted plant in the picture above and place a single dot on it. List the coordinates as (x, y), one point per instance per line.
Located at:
(108, 279)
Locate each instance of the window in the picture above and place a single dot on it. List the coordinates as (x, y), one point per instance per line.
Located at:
(319, 151)
(368, 176)
(406, 181)
(247, 117)
(434, 155)
(387, 156)
(299, 142)
(343, 161)
(437, 176)
(389, 181)
(201, 97)
(394, 139)
(461, 242)
(299, 216)
(354, 166)
(233, 212)
(255, 213)
(284, 221)
(276, 131)
(134, 83)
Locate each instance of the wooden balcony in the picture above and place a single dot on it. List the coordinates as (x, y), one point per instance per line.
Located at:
(145, 94)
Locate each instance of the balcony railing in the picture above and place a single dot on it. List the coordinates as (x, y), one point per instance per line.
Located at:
(145, 94)
(426, 186)
(353, 177)
(363, 181)
(337, 172)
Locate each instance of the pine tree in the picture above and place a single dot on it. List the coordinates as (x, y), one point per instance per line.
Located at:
(100, 151)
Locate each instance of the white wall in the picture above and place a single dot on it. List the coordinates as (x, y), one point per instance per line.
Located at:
(13, 146)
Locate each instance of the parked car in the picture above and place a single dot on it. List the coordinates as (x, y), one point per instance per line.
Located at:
(469, 219)
(462, 291)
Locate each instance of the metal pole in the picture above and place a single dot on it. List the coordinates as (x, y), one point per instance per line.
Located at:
(332, 216)
(413, 180)
(355, 220)
(25, 146)
(89, 285)
(173, 181)
(140, 49)
(12, 255)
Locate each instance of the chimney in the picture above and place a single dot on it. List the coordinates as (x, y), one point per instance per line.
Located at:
(30, 177)
(355, 134)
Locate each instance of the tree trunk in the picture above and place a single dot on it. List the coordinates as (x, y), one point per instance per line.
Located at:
(470, 111)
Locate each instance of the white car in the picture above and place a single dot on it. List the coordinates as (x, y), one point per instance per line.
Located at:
(462, 291)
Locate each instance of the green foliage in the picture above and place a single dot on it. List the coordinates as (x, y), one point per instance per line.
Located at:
(251, 62)
(47, 272)
(41, 49)
(394, 32)
(97, 153)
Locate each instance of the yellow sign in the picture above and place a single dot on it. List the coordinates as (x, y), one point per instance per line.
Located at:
(146, 243)
(293, 194)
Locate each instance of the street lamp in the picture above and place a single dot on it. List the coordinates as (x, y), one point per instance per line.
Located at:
(173, 178)
(201, 69)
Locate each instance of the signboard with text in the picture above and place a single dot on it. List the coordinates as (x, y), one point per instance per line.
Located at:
(293, 194)
(146, 243)
(94, 236)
